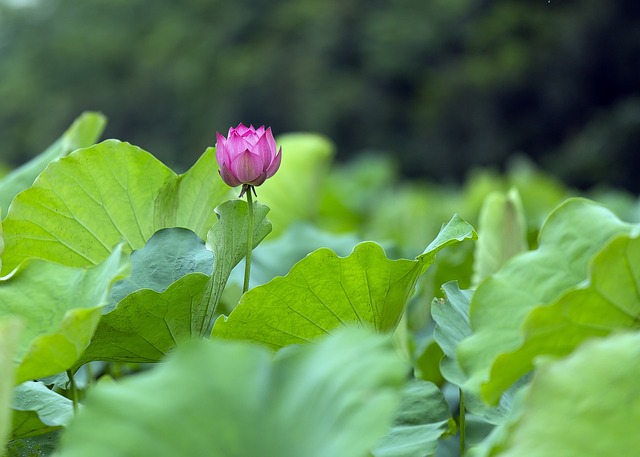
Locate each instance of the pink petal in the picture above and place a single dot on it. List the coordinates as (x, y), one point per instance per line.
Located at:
(236, 145)
(263, 149)
(260, 131)
(272, 142)
(247, 167)
(275, 164)
(259, 180)
(222, 155)
(240, 129)
(228, 177)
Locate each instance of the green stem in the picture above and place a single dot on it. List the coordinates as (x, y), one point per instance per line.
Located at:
(247, 266)
(74, 390)
(462, 423)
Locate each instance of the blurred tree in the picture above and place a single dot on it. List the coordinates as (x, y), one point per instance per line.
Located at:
(442, 84)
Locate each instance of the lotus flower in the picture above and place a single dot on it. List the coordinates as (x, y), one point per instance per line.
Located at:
(247, 156)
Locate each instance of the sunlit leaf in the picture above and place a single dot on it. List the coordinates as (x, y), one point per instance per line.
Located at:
(502, 233)
(84, 204)
(166, 299)
(324, 291)
(9, 335)
(84, 132)
(60, 307)
(570, 237)
(232, 398)
(587, 404)
(38, 410)
(422, 418)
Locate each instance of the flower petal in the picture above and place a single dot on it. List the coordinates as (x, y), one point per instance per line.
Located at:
(271, 140)
(259, 180)
(222, 155)
(247, 167)
(275, 164)
(236, 145)
(265, 152)
(228, 177)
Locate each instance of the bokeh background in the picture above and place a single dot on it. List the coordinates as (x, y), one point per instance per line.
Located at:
(441, 85)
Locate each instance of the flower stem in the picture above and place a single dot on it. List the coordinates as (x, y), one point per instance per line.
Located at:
(74, 390)
(247, 265)
(462, 423)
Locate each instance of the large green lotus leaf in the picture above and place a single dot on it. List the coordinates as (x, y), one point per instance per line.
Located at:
(149, 322)
(502, 233)
(169, 255)
(607, 302)
(38, 410)
(422, 418)
(451, 315)
(586, 405)
(60, 307)
(9, 335)
(324, 291)
(571, 236)
(233, 399)
(84, 204)
(293, 193)
(84, 132)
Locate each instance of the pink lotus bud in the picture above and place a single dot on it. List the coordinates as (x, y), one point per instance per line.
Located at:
(247, 156)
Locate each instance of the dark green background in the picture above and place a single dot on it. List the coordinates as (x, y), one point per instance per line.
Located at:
(443, 85)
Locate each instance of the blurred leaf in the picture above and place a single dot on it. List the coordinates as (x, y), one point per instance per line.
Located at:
(84, 132)
(84, 204)
(234, 399)
(293, 193)
(607, 301)
(422, 418)
(9, 336)
(324, 291)
(572, 234)
(502, 233)
(60, 307)
(427, 363)
(36, 446)
(38, 410)
(167, 304)
(1, 240)
(596, 387)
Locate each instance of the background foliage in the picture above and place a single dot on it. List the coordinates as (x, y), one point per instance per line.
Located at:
(442, 85)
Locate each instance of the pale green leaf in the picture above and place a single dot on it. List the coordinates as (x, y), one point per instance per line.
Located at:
(606, 302)
(324, 291)
(422, 418)
(233, 399)
(502, 230)
(9, 335)
(571, 236)
(60, 307)
(84, 204)
(293, 193)
(84, 132)
(38, 410)
(586, 405)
